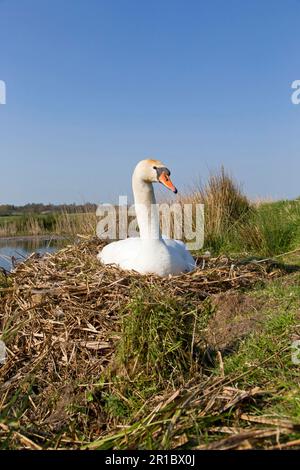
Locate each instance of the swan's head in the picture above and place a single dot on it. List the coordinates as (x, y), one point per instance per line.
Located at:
(154, 171)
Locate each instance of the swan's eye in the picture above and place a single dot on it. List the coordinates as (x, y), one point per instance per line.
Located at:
(155, 168)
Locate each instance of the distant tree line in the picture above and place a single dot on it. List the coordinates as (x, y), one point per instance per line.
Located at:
(34, 208)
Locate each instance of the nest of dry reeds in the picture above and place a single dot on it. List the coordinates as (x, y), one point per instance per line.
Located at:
(61, 318)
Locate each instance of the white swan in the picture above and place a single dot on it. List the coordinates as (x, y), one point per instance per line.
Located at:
(150, 253)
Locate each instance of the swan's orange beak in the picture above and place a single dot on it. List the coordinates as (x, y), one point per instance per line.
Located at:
(165, 180)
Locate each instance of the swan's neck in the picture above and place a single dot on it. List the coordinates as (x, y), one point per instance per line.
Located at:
(146, 209)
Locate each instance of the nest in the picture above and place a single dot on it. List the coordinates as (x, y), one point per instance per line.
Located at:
(60, 321)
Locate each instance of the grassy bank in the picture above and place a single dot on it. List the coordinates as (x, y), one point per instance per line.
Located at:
(100, 359)
(61, 223)
(233, 224)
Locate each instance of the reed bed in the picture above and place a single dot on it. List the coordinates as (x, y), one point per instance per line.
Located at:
(56, 223)
(232, 223)
(89, 365)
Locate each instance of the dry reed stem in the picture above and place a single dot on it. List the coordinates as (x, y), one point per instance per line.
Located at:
(60, 321)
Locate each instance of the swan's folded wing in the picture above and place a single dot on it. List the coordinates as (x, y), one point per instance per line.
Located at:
(181, 250)
(120, 253)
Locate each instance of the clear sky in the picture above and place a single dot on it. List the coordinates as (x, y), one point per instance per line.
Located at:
(93, 86)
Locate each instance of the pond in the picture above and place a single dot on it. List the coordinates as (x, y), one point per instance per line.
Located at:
(16, 249)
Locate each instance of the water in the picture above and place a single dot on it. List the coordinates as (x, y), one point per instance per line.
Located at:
(15, 250)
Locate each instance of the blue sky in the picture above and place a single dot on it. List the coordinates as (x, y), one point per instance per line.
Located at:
(94, 86)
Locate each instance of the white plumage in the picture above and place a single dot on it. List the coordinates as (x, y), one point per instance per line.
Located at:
(150, 253)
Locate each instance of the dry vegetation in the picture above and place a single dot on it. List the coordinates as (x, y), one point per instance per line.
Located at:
(100, 358)
(233, 224)
(60, 223)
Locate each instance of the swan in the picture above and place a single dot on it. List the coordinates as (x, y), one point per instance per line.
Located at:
(151, 253)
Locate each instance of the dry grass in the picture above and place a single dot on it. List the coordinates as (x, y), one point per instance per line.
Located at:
(73, 224)
(102, 358)
(232, 223)
(225, 207)
(60, 223)
(12, 226)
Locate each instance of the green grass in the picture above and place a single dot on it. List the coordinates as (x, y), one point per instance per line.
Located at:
(157, 334)
(280, 376)
(156, 339)
(233, 225)
(155, 351)
(62, 223)
(264, 231)
(28, 224)
(160, 353)
(271, 229)
(161, 349)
